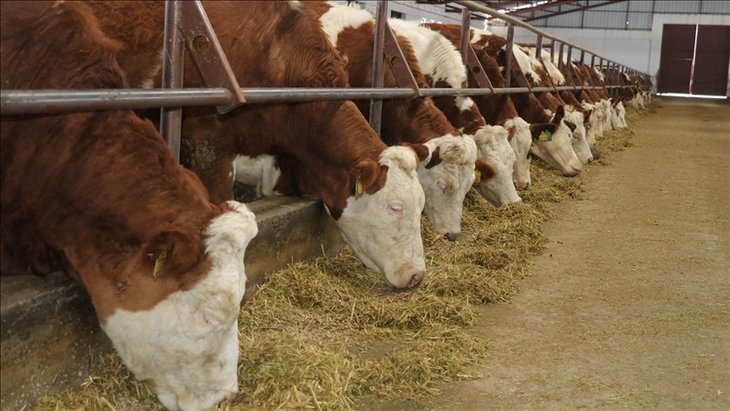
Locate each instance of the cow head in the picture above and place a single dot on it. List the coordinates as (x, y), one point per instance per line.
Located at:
(580, 144)
(381, 222)
(446, 178)
(520, 138)
(554, 146)
(186, 346)
(495, 150)
(618, 119)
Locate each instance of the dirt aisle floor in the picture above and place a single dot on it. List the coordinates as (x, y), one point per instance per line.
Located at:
(629, 307)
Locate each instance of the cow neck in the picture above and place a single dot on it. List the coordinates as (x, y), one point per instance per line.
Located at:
(530, 108)
(331, 160)
(125, 210)
(469, 120)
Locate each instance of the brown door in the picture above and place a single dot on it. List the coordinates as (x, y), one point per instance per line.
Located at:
(711, 60)
(675, 62)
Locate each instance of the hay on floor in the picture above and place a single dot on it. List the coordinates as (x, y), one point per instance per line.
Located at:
(318, 335)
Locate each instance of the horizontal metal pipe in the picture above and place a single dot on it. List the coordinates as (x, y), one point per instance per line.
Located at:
(62, 101)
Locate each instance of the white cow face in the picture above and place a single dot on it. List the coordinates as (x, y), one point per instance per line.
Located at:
(521, 141)
(496, 151)
(384, 228)
(186, 346)
(558, 151)
(446, 179)
(578, 140)
(607, 118)
(618, 120)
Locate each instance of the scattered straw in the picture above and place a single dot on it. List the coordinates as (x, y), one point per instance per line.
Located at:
(319, 335)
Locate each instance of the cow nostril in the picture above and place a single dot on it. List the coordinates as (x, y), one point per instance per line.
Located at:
(415, 280)
(452, 236)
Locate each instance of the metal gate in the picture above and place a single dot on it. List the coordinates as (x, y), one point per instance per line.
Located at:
(694, 59)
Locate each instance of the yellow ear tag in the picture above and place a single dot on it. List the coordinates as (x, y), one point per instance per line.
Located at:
(477, 175)
(546, 135)
(358, 187)
(159, 264)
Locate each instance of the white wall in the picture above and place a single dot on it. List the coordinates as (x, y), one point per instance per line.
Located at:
(638, 49)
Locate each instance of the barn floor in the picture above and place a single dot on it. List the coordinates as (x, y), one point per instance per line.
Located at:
(629, 307)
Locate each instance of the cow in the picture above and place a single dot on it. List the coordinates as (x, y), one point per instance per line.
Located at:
(575, 114)
(99, 196)
(550, 136)
(449, 172)
(499, 110)
(442, 67)
(323, 149)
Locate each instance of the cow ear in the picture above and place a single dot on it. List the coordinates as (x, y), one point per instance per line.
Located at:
(570, 125)
(421, 150)
(435, 158)
(484, 170)
(542, 131)
(559, 113)
(367, 177)
(587, 115)
(172, 253)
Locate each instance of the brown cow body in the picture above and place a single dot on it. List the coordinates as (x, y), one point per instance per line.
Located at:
(322, 149)
(449, 173)
(99, 196)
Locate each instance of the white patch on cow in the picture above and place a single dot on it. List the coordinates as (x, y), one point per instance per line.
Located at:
(479, 36)
(600, 74)
(578, 140)
(445, 185)
(464, 103)
(494, 148)
(618, 120)
(525, 63)
(608, 114)
(260, 171)
(555, 75)
(521, 142)
(384, 228)
(149, 79)
(296, 5)
(436, 55)
(590, 125)
(558, 152)
(187, 345)
(340, 17)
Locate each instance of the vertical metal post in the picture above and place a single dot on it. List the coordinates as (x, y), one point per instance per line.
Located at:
(376, 105)
(508, 55)
(465, 33)
(172, 76)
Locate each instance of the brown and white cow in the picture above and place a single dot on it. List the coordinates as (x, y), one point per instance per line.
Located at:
(448, 173)
(323, 149)
(99, 196)
(442, 67)
(538, 73)
(555, 149)
(522, 114)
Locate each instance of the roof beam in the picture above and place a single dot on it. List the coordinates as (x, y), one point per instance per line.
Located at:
(582, 8)
(549, 5)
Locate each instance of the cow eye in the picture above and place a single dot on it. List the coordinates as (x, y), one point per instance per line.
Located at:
(396, 209)
(442, 185)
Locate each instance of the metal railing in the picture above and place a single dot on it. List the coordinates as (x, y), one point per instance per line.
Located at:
(194, 29)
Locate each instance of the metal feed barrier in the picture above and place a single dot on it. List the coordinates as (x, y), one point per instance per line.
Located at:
(187, 26)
